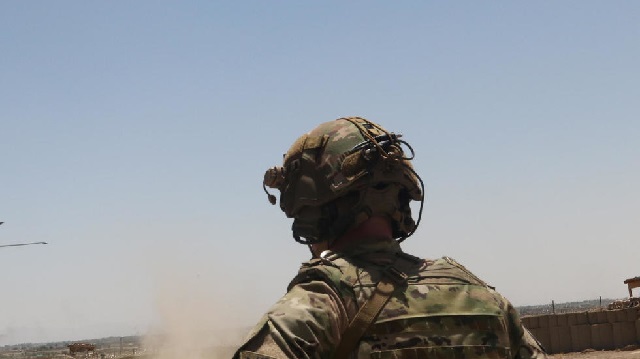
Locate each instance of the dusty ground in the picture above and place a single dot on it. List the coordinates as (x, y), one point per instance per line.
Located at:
(588, 354)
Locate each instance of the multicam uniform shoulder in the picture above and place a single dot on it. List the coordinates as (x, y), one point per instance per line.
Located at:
(307, 321)
(335, 271)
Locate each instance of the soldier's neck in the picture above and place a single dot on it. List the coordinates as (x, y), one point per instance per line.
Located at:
(376, 226)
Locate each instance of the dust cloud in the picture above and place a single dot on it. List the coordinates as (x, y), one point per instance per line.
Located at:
(194, 321)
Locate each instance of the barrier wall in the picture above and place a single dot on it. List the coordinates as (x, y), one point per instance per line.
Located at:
(573, 332)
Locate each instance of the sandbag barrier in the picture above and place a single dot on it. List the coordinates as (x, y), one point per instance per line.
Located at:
(575, 332)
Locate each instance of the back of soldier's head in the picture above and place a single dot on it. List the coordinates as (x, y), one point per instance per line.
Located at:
(340, 174)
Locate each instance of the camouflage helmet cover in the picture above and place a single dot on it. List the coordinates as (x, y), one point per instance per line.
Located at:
(341, 173)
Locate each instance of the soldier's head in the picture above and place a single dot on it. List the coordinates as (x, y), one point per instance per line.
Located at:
(341, 174)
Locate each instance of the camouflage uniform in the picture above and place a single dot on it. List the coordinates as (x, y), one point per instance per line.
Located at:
(443, 311)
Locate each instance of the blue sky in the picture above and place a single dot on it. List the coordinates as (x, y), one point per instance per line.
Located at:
(134, 137)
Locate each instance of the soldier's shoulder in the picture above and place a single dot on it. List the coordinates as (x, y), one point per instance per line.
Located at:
(449, 267)
(330, 268)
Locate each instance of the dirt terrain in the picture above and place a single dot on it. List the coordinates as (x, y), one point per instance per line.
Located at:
(593, 354)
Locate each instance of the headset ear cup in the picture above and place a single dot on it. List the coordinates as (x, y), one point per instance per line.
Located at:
(306, 189)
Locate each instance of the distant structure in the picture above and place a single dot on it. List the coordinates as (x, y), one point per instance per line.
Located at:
(630, 302)
(632, 283)
(81, 347)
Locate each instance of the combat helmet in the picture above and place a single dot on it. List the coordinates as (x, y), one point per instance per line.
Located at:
(340, 174)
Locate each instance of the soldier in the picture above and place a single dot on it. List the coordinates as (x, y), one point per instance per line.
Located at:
(347, 185)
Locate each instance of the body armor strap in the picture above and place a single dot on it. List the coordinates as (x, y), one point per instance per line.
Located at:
(369, 311)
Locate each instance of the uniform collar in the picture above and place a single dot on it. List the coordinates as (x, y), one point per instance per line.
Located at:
(365, 247)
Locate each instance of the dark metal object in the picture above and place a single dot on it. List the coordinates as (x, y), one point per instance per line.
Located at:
(21, 244)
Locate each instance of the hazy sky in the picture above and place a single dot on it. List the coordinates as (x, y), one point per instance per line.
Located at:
(134, 137)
